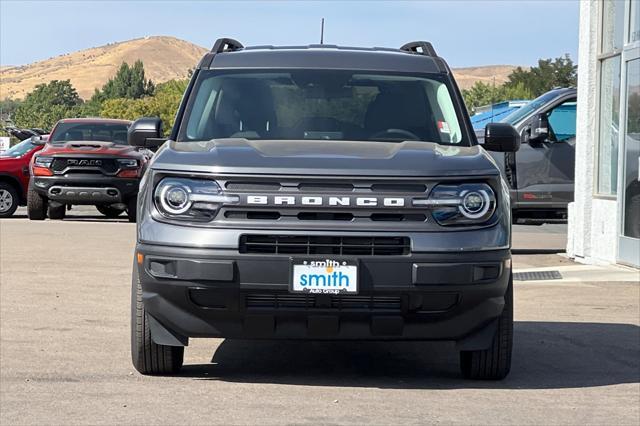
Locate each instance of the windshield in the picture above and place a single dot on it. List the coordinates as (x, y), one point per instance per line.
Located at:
(19, 149)
(320, 104)
(529, 108)
(79, 131)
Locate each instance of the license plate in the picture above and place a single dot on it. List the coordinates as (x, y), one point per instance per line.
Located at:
(324, 276)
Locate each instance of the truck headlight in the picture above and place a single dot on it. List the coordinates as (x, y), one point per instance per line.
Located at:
(190, 199)
(468, 203)
(127, 163)
(43, 162)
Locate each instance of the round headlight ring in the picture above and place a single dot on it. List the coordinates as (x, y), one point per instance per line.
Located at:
(475, 204)
(174, 199)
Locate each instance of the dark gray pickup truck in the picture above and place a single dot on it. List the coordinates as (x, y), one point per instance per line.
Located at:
(323, 192)
(541, 174)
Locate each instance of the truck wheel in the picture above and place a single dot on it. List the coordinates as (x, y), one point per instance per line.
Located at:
(58, 212)
(109, 211)
(494, 362)
(147, 356)
(36, 205)
(132, 209)
(8, 199)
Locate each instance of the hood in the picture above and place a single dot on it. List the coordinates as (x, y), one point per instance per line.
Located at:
(87, 147)
(313, 157)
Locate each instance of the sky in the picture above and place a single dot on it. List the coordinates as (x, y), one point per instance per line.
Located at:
(465, 33)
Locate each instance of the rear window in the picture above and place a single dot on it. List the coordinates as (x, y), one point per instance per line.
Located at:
(321, 105)
(104, 132)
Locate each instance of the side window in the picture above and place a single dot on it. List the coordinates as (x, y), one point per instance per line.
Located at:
(562, 121)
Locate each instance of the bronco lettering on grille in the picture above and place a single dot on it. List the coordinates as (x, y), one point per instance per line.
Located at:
(322, 200)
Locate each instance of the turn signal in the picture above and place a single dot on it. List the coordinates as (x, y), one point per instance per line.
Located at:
(128, 173)
(41, 171)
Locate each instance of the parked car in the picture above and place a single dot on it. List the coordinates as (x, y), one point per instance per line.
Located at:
(541, 173)
(86, 161)
(323, 193)
(14, 170)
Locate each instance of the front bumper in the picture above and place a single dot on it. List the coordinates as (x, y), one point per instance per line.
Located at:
(86, 189)
(190, 292)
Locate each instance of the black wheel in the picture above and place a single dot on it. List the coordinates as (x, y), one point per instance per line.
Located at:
(494, 362)
(109, 211)
(8, 199)
(36, 205)
(147, 356)
(132, 209)
(58, 212)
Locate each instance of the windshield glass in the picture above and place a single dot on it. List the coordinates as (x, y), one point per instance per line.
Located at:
(320, 104)
(79, 131)
(529, 108)
(19, 149)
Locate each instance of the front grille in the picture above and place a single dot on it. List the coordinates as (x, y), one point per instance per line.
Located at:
(300, 244)
(107, 166)
(334, 302)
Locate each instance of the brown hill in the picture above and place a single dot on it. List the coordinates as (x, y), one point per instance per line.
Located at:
(164, 58)
(466, 77)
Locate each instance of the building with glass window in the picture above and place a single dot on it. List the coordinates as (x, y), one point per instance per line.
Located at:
(604, 219)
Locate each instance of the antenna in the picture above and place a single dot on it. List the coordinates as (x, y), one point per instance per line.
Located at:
(322, 31)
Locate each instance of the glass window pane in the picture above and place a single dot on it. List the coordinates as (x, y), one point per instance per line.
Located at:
(612, 25)
(631, 188)
(609, 125)
(562, 122)
(634, 25)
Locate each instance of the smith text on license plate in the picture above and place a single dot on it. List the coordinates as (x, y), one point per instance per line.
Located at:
(324, 276)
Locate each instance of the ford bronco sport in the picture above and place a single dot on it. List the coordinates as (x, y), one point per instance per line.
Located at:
(86, 161)
(327, 193)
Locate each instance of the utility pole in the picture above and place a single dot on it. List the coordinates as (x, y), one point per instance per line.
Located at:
(322, 31)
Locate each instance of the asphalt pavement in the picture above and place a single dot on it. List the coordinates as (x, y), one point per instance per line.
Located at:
(64, 350)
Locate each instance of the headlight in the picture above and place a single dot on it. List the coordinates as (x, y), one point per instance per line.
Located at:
(43, 161)
(190, 199)
(469, 203)
(127, 163)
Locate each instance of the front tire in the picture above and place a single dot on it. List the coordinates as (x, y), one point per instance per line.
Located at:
(109, 211)
(8, 199)
(58, 212)
(148, 357)
(36, 205)
(493, 363)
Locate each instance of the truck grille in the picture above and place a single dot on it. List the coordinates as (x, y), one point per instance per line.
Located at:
(310, 301)
(107, 165)
(300, 244)
(326, 216)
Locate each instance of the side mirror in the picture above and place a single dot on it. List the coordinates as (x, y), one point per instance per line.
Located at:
(146, 132)
(501, 137)
(38, 140)
(540, 127)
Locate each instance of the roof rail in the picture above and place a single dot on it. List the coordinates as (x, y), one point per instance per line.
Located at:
(420, 47)
(226, 45)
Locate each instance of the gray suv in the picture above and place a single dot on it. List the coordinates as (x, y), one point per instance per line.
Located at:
(328, 193)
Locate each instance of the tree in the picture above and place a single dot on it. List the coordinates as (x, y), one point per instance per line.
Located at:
(559, 72)
(481, 94)
(163, 104)
(129, 83)
(47, 104)
(8, 108)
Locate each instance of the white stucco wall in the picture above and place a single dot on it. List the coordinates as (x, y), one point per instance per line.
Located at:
(592, 221)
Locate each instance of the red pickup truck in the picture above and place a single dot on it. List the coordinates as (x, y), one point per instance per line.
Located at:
(86, 161)
(14, 170)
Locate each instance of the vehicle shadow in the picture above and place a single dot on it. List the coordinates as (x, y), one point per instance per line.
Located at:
(547, 355)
